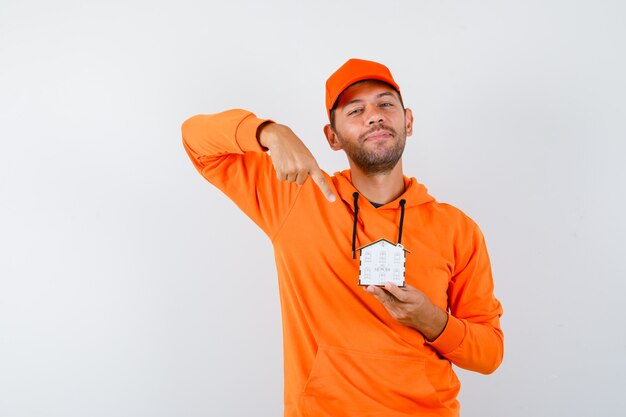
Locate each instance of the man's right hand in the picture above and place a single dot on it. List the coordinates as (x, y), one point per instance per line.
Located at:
(292, 160)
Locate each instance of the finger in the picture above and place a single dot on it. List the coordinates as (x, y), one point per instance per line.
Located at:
(396, 291)
(381, 295)
(412, 289)
(301, 178)
(375, 291)
(322, 184)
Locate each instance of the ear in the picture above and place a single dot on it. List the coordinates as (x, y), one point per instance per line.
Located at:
(408, 120)
(332, 138)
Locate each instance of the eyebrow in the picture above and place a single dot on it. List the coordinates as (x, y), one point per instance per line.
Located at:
(386, 93)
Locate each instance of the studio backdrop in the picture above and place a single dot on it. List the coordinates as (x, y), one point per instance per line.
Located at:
(131, 287)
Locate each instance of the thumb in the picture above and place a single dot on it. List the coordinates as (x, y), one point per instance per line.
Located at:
(322, 184)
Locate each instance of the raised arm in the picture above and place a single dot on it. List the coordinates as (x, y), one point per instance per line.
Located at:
(226, 149)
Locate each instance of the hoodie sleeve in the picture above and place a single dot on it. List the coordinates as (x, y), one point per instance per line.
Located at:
(224, 149)
(472, 339)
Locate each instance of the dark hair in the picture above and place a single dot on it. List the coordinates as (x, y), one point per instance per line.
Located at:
(332, 111)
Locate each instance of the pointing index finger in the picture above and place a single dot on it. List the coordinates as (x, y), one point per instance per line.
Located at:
(322, 184)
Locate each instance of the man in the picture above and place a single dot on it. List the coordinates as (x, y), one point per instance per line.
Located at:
(355, 350)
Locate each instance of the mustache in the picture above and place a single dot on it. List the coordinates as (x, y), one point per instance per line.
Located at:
(377, 128)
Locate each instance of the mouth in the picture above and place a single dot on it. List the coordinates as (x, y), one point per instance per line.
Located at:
(377, 135)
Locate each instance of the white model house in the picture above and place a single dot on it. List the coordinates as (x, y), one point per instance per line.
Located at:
(382, 261)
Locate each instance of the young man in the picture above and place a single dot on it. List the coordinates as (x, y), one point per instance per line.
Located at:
(351, 348)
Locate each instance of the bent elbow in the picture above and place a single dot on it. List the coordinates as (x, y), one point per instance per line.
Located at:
(494, 359)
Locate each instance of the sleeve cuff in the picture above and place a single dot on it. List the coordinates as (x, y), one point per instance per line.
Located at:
(451, 337)
(246, 134)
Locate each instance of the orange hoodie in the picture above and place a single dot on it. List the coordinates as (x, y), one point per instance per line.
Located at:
(344, 355)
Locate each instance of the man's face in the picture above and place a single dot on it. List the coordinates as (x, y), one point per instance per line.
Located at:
(370, 126)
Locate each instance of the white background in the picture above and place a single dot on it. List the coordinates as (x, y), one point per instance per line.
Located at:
(130, 287)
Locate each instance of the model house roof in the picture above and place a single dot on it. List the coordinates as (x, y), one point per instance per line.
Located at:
(383, 240)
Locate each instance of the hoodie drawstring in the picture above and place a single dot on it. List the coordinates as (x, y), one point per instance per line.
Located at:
(356, 216)
(402, 203)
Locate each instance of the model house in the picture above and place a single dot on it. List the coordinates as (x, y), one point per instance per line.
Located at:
(382, 261)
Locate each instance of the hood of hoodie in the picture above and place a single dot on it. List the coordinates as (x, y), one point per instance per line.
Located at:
(414, 193)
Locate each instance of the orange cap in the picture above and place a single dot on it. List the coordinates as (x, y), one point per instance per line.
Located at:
(351, 72)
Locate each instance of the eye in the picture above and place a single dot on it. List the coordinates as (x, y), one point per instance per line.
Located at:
(355, 111)
(386, 104)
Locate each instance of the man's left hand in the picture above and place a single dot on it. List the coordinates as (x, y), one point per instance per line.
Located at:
(412, 308)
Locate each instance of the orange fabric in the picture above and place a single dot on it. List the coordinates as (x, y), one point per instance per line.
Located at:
(343, 353)
(352, 71)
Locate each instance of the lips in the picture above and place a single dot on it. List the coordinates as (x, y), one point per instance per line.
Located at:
(378, 135)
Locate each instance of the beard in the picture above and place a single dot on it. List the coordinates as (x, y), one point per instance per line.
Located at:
(380, 158)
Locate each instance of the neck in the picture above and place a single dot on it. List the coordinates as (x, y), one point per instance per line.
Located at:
(379, 188)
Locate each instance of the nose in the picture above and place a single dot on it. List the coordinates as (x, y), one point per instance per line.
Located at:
(373, 115)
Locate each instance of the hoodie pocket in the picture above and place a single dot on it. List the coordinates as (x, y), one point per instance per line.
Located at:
(345, 382)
